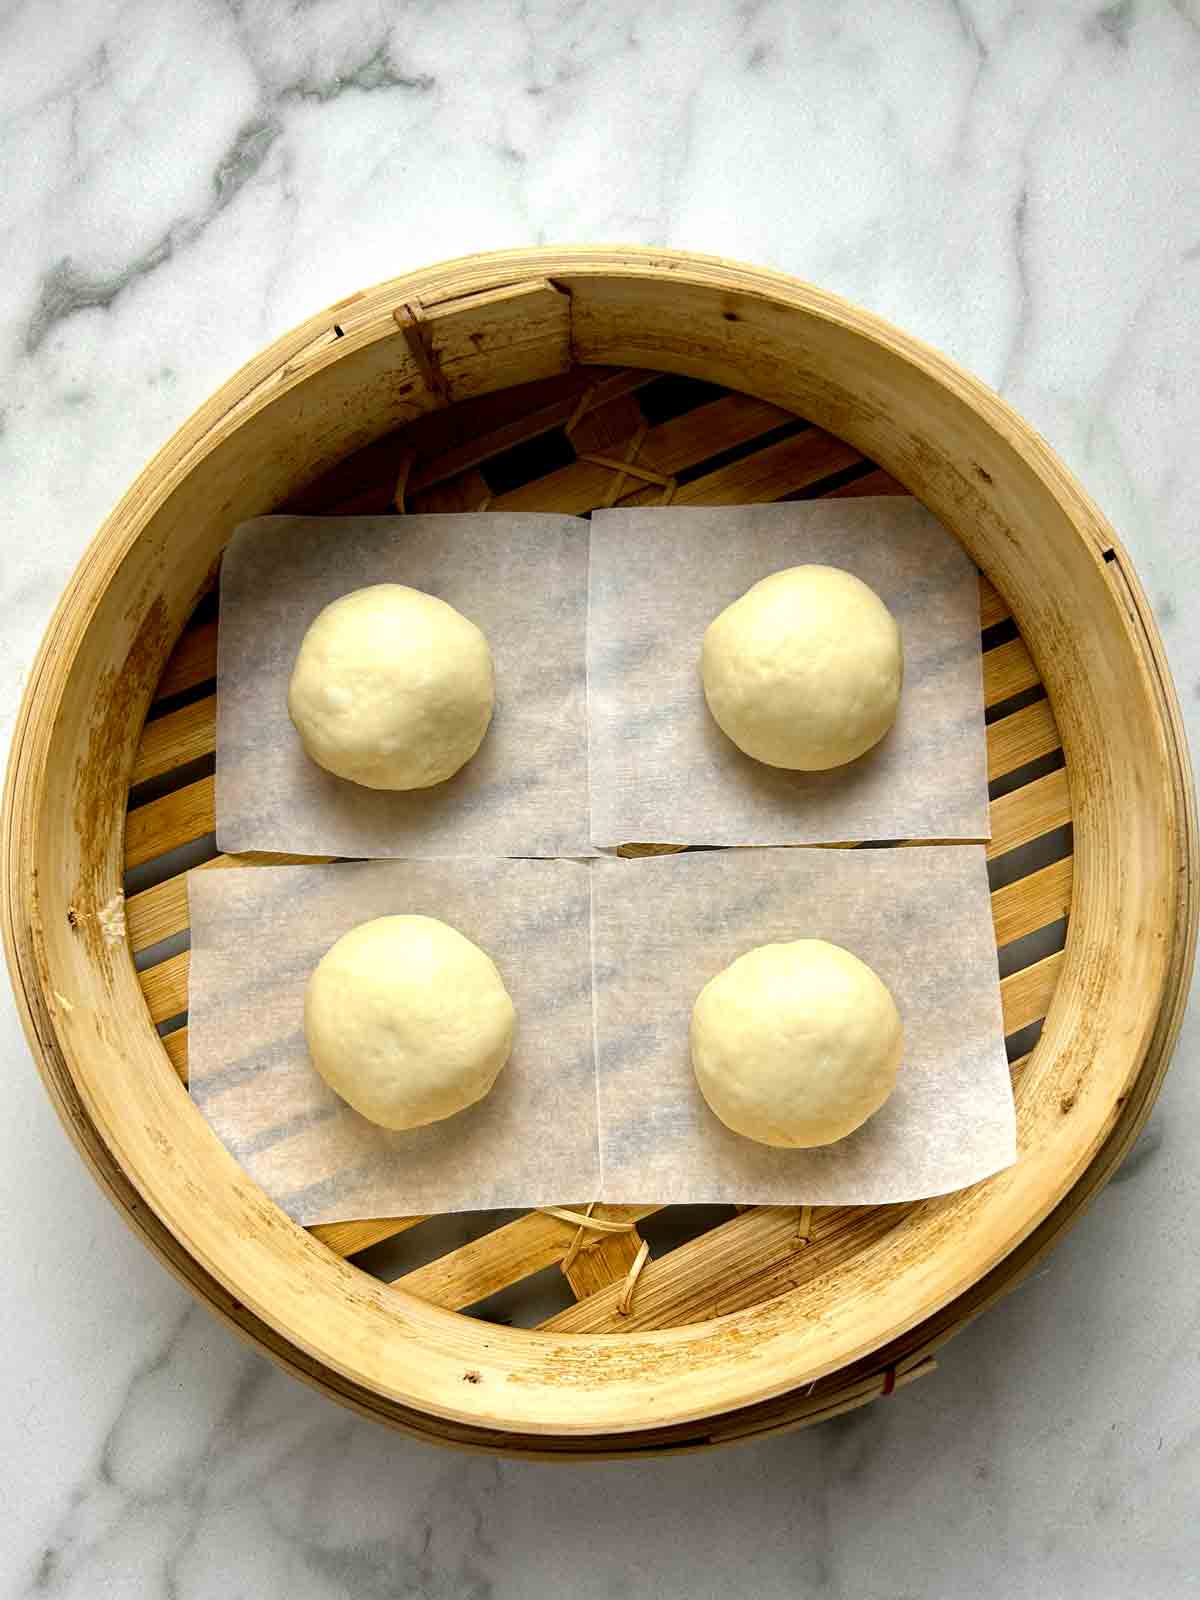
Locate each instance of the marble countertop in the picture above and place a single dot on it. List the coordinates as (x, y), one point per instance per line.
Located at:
(181, 181)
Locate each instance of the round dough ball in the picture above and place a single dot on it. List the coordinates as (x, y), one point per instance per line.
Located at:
(392, 688)
(408, 1020)
(796, 1044)
(804, 671)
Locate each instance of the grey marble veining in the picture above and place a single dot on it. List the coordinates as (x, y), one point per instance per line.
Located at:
(180, 181)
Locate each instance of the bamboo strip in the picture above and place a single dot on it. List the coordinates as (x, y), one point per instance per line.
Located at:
(468, 492)
(1033, 902)
(626, 469)
(588, 1220)
(175, 1044)
(404, 466)
(629, 1283)
(177, 818)
(768, 474)
(1007, 670)
(193, 661)
(1026, 995)
(1025, 814)
(710, 429)
(175, 739)
(616, 485)
(992, 607)
(166, 987)
(1020, 737)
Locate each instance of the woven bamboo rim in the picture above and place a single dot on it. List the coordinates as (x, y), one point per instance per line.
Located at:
(333, 386)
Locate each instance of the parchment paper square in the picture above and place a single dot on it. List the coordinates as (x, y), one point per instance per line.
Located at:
(661, 769)
(257, 933)
(662, 927)
(521, 578)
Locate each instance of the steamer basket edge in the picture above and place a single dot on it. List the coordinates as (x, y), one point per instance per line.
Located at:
(680, 303)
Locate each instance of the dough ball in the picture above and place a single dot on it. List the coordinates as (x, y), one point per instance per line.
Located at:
(392, 688)
(804, 670)
(796, 1044)
(408, 1021)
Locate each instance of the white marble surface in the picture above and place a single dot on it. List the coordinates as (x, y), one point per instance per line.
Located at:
(181, 180)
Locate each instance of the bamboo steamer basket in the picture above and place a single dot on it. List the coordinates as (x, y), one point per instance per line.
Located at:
(529, 380)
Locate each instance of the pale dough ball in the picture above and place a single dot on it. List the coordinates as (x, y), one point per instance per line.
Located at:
(804, 670)
(796, 1044)
(408, 1020)
(392, 688)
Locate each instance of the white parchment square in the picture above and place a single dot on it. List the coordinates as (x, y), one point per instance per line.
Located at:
(662, 927)
(521, 578)
(661, 769)
(257, 934)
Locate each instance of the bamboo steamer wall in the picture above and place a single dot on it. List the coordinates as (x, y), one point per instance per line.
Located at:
(361, 370)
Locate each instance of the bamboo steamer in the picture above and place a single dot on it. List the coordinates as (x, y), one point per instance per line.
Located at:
(527, 380)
